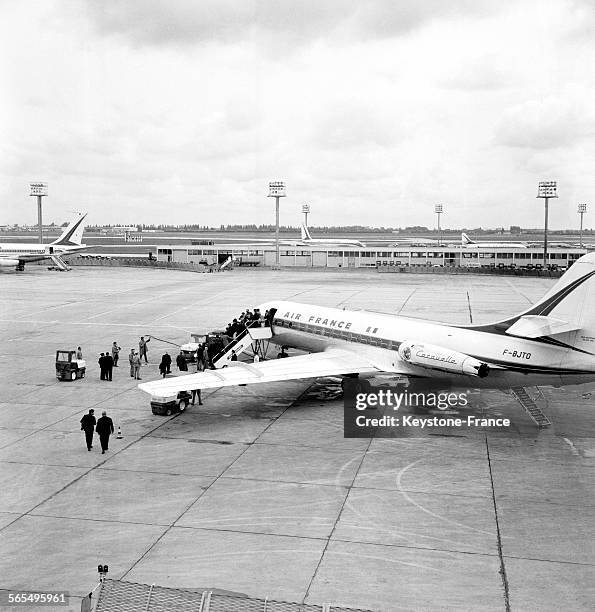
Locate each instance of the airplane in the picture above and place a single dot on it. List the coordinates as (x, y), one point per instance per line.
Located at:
(471, 244)
(308, 240)
(551, 343)
(18, 254)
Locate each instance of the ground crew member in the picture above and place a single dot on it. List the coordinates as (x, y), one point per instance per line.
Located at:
(105, 428)
(142, 347)
(115, 353)
(88, 426)
(79, 353)
(130, 359)
(195, 394)
(136, 365)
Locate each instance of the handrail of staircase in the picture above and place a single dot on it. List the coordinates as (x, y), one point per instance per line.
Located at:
(234, 342)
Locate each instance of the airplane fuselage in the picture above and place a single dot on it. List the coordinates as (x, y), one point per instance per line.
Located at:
(513, 361)
(35, 252)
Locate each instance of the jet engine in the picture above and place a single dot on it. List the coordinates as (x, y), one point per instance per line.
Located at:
(439, 358)
(9, 263)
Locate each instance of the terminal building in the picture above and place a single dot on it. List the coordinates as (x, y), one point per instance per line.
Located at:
(372, 257)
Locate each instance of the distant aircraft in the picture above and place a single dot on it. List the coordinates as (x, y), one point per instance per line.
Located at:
(16, 255)
(308, 240)
(550, 343)
(471, 244)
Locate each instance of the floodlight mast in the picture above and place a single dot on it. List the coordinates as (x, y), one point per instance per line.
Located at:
(582, 209)
(40, 190)
(546, 190)
(306, 210)
(277, 190)
(439, 209)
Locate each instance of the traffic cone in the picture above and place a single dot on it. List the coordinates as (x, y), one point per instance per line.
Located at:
(119, 436)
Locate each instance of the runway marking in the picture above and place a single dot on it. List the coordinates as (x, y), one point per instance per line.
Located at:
(469, 307)
(518, 291)
(406, 300)
(573, 448)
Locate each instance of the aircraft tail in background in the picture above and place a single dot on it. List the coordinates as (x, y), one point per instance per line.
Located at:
(73, 234)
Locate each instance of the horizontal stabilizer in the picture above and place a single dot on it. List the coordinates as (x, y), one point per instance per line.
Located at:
(536, 326)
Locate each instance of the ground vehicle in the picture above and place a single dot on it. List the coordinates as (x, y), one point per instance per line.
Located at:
(216, 341)
(171, 404)
(68, 367)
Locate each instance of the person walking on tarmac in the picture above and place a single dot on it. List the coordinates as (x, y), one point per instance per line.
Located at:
(105, 428)
(163, 367)
(109, 366)
(167, 360)
(195, 394)
(116, 353)
(88, 426)
(130, 359)
(136, 365)
(142, 347)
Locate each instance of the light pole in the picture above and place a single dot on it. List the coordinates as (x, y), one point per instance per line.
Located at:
(40, 190)
(582, 209)
(546, 190)
(277, 190)
(306, 210)
(438, 209)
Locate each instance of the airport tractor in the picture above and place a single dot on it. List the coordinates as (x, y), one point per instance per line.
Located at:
(172, 404)
(68, 367)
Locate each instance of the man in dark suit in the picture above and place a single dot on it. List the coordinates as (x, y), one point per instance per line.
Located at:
(109, 366)
(101, 363)
(105, 428)
(88, 426)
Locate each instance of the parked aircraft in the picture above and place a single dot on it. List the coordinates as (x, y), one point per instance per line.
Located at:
(471, 244)
(550, 343)
(308, 240)
(16, 255)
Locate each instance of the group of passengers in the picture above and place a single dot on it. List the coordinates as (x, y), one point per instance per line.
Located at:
(245, 320)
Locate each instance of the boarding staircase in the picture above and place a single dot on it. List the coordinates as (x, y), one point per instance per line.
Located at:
(531, 408)
(226, 263)
(253, 336)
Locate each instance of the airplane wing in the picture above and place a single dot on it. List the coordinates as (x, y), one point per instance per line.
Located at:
(327, 363)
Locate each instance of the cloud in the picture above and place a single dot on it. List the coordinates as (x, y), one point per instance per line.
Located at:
(549, 123)
(163, 22)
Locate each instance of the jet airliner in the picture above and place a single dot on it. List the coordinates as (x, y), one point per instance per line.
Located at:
(550, 343)
(16, 255)
(472, 244)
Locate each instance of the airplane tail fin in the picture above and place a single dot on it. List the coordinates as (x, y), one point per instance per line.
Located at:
(465, 239)
(305, 233)
(73, 234)
(565, 315)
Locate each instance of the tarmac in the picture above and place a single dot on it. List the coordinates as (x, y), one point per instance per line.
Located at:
(257, 491)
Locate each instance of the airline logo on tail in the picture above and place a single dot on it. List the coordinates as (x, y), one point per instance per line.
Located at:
(465, 239)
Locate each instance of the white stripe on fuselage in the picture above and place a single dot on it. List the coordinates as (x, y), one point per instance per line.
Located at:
(377, 336)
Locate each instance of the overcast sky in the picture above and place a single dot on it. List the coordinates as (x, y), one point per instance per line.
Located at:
(372, 111)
